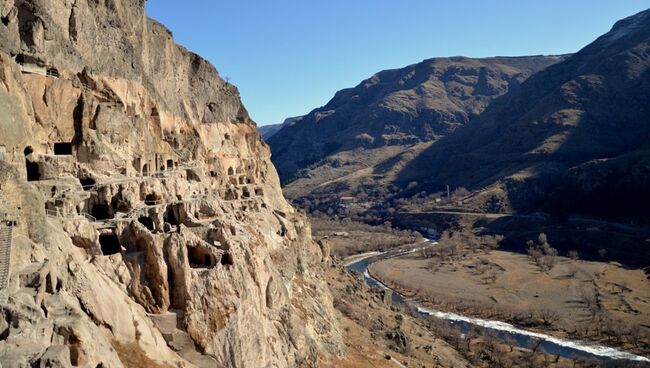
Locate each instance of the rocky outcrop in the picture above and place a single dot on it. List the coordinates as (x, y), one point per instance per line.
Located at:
(140, 189)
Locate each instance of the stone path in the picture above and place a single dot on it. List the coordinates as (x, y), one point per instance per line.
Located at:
(180, 341)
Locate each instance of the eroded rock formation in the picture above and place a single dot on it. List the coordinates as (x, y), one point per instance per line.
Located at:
(147, 212)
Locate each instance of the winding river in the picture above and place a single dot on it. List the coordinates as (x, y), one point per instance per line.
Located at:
(552, 345)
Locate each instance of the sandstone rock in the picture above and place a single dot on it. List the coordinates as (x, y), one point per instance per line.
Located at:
(141, 188)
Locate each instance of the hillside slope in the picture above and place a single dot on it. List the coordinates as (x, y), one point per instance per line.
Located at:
(343, 147)
(573, 138)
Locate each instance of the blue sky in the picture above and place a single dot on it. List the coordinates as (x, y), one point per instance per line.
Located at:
(288, 57)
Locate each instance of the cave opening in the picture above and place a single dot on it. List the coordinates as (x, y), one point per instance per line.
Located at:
(146, 222)
(101, 211)
(151, 199)
(170, 164)
(171, 218)
(246, 193)
(145, 170)
(200, 257)
(231, 195)
(231, 171)
(110, 244)
(63, 148)
(87, 183)
(33, 171)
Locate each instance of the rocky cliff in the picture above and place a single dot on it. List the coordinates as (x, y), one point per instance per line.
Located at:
(147, 223)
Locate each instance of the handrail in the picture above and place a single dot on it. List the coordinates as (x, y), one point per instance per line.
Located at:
(58, 214)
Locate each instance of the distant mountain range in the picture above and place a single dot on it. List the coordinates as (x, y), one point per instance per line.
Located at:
(418, 103)
(267, 131)
(573, 137)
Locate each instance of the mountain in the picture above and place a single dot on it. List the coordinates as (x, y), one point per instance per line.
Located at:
(341, 148)
(574, 137)
(142, 223)
(267, 131)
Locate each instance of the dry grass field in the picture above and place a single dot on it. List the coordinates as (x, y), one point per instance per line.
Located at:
(575, 297)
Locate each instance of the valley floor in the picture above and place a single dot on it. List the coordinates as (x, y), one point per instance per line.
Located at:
(380, 334)
(582, 299)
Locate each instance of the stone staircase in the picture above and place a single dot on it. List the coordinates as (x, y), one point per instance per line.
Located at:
(180, 341)
(6, 235)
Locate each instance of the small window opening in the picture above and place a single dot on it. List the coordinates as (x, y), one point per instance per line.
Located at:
(62, 148)
(227, 259)
(170, 164)
(246, 193)
(52, 72)
(226, 136)
(110, 244)
(231, 171)
(145, 170)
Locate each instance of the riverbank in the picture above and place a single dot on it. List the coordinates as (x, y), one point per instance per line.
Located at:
(576, 299)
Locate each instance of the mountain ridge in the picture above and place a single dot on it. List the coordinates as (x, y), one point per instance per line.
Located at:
(588, 107)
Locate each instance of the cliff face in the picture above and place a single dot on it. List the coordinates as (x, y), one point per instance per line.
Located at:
(149, 218)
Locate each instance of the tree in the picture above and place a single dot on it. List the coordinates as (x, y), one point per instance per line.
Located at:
(573, 254)
(542, 253)
(548, 316)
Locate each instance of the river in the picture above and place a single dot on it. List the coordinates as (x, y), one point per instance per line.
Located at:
(550, 344)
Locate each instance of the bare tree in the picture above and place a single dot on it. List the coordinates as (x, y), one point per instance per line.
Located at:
(547, 316)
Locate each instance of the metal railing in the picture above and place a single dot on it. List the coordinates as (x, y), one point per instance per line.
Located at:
(5, 257)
